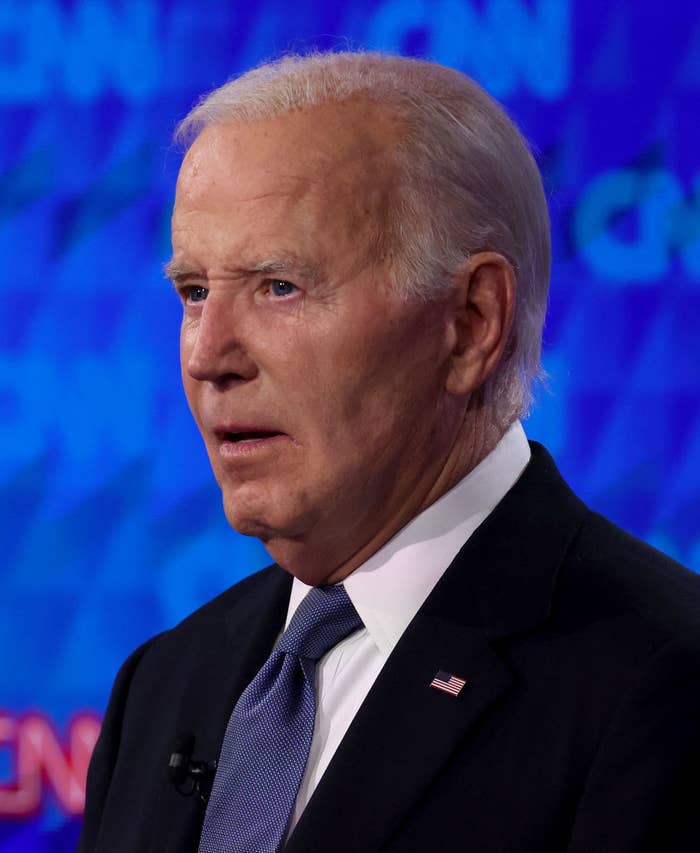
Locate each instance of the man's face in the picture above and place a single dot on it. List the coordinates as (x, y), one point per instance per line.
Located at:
(318, 389)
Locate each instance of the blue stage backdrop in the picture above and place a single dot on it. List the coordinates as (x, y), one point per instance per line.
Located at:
(112, 528)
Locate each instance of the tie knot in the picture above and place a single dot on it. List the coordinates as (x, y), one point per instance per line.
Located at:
(324, 618)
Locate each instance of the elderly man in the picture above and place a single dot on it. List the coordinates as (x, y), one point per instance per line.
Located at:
(452, 651)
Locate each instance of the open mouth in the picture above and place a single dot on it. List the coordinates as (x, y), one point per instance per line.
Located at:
(238, 437)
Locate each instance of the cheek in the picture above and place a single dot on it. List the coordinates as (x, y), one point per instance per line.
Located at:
(191, 387)
(188, 384)
(372, 388)
(187, 341)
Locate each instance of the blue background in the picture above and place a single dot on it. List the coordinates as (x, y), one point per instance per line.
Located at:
(111, 526)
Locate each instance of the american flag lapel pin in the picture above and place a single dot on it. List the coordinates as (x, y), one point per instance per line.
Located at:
(448, 683)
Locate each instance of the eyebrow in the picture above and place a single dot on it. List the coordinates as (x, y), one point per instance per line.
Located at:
(176, 272)
(282, 265)
(286, 265)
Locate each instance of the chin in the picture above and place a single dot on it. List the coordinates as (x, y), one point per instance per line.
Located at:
(264, 519)
(285, 524)
(284, 541)
(246, 522)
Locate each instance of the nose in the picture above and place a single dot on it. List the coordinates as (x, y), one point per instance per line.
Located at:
(212, 344)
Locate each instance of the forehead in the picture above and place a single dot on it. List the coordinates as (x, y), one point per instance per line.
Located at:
(351, 138)
(325, 170)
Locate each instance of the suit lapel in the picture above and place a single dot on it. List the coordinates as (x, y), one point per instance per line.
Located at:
(403, 734)
(227, 662)
(499, 584)
(224, 655)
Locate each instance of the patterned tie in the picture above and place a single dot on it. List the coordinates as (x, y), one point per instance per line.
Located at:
(269, 733)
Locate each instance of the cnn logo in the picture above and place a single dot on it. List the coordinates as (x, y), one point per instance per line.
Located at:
(42, 762)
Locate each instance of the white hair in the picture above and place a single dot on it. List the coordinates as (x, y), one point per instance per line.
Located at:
(467, 182)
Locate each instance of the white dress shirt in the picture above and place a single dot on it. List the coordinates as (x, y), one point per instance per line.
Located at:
(389, 589)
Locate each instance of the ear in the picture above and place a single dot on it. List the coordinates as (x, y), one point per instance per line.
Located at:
(482, 317)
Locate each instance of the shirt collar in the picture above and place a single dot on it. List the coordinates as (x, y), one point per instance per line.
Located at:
(389, 588)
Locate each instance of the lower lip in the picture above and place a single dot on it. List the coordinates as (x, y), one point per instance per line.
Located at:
(250, 447)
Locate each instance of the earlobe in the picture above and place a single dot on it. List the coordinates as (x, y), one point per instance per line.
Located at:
(483, 311)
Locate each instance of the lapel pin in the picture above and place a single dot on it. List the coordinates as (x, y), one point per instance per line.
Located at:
(448, 683)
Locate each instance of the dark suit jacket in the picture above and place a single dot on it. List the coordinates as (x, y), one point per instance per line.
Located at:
(578, 729)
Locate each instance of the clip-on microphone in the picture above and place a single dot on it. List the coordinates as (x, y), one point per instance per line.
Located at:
(187, 775)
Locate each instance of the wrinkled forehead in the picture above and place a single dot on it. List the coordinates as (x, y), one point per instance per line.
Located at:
(320, 179)
(343, 148)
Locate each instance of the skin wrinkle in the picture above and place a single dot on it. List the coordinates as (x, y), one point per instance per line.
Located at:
(364, 155)
(281, 265)
(373, 389)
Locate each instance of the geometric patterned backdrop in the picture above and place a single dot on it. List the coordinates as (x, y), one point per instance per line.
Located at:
(112, 527)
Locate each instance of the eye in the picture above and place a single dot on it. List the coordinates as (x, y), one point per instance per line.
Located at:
(194, 293)
(280, 288)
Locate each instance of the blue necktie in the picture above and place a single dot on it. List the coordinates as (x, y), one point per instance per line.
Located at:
(269, 733)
